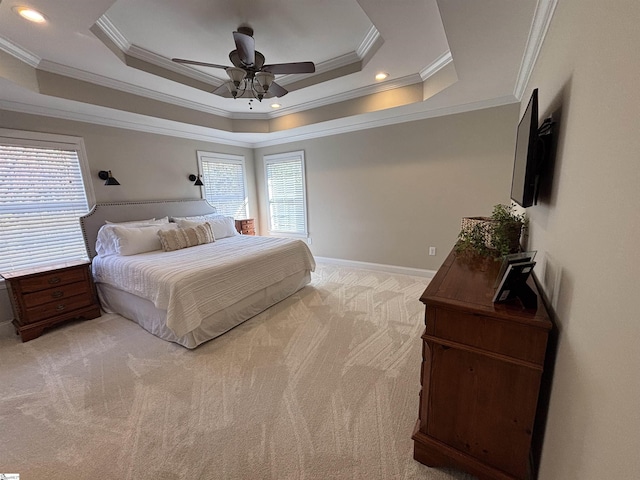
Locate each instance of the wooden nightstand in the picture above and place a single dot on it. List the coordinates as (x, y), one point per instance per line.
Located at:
(246, 227)
(44, 296)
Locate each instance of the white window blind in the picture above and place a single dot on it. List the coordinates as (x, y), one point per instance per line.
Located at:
(224, 183)
(42, 194)
(286, 195)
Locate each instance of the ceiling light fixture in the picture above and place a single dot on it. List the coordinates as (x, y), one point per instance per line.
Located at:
(243, 83)
(30, 14)
(275, 105)
(381, 76)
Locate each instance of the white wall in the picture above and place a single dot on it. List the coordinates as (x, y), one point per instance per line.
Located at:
(587, 231)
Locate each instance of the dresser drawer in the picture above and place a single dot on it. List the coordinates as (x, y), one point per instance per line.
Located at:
(504, 337)
(50, 310)
(53, 279)
(59, 293)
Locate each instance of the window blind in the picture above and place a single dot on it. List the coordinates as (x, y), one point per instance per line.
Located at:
(286, 195)
(41, 197)
(224, 186)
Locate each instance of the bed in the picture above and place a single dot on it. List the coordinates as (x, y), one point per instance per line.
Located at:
(190, 295)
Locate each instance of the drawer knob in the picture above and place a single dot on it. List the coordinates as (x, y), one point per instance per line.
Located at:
(60, 308)
(54, 280)
(57, 294)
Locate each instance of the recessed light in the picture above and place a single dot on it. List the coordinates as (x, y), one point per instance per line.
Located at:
(30, 14)
(275, 105)
(381, 75)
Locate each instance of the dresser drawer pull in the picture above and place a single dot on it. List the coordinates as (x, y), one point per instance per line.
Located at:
(57, 294)
(60, 308)
(54, 280)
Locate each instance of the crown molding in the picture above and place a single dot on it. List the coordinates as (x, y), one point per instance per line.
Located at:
(350, 95)
(18, 52)
(111, 31)
(141, 123)
(103, 81)
(367, 121)
(128, 121)
(369, 42)
(539, 26)
(437, 65)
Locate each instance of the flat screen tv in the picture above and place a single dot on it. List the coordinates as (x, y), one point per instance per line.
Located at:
(528, 157)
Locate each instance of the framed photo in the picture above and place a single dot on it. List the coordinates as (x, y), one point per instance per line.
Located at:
(514, 285)
(513, 258)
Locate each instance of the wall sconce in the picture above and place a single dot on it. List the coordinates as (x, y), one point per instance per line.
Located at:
(196, 180)
(106, 175)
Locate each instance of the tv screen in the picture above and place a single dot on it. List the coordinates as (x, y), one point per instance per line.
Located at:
(525, 167)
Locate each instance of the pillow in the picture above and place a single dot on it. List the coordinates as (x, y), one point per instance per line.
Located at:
(116, 239)
(179, 238)
(134, 223)
(134, 240)
(221, 226)
(197, 218)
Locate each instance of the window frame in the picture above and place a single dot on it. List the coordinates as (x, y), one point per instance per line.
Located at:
(55, 141)
(230, 159)
(281, 158)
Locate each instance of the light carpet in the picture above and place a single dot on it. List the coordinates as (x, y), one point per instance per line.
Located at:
(324, 385)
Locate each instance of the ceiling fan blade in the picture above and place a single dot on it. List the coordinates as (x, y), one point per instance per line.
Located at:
(246, 47)
(193, 62)
(294, 67)
(277, 90)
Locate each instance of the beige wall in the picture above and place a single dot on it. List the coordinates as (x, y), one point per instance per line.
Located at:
(148, 166)
(587, 230)
(385, 195)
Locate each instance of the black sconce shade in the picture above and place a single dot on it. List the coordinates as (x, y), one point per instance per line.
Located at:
(106, 175)
(196, 180)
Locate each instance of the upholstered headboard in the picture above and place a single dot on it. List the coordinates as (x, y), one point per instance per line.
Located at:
(128, 211)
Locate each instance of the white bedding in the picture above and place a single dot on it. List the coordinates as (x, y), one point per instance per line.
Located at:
(192, 283)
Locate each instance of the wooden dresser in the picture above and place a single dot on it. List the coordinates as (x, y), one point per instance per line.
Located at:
(246, 226)
(481, 369)
(44, 296)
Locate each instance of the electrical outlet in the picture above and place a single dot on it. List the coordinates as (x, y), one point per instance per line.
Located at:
(432, 251)
(309, 242)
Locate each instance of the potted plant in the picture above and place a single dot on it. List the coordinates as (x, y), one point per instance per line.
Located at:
(494, 236)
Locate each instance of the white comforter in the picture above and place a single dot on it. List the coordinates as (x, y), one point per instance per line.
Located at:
(195, 282)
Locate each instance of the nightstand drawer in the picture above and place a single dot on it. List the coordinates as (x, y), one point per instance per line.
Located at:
(52, 309)
(246, 226)
(53, 279)
(55, 294)
(45, 295)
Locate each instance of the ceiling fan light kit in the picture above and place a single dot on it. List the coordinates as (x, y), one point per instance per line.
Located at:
(250, 77)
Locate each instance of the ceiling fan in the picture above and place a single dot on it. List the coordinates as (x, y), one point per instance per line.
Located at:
(250, 77)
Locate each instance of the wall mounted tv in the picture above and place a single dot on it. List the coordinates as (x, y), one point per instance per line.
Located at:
(532, 151)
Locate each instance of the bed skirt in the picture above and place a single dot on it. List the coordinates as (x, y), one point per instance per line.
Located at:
(144, 312)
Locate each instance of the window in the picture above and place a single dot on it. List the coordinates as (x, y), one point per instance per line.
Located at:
(286, 193)
(42, 194)
(224, 183)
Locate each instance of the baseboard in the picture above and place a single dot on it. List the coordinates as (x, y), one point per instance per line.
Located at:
(416, 272)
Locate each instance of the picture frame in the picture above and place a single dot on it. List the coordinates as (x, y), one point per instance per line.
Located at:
(514, 285)
(513, 258)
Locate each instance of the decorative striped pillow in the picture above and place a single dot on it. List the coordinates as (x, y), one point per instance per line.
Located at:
(185, 237)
